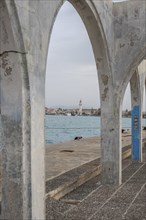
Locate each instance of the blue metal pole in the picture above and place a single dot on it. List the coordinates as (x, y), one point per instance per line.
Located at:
(136, 133)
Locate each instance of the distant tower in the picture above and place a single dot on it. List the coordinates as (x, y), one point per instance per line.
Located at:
(80, 107)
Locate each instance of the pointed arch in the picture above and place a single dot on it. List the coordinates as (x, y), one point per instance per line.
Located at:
(91, 19)
(130, 71)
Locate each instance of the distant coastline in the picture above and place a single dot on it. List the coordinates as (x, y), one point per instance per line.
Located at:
(85, 112)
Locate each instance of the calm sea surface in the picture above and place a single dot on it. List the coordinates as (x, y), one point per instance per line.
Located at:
(64, 128)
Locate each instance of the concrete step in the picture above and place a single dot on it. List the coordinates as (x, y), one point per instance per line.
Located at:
(63, 184)
(67, 182)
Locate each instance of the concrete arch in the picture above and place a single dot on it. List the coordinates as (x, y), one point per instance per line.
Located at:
(91, 19)
(31, 48)
(130, 71)
(15, 114)
(137, 92)
(135, 80)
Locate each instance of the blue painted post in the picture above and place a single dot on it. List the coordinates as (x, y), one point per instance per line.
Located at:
(136, 133)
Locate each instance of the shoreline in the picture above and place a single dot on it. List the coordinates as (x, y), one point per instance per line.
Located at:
(65, 156)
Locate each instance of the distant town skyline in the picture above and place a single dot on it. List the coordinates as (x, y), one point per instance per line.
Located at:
(71, 70)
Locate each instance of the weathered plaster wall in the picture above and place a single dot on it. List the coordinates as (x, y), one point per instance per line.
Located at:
(130, 40)
(142, 73)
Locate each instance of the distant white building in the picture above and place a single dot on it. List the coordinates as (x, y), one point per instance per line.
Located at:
(80, 108)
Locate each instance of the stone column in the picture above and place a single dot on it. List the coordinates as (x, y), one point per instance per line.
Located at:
(31, 23)
(15, 119)
(12, 146)
(111, 140)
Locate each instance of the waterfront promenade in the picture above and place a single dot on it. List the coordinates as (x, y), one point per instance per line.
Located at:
(65, 156)
(73, 183)
(72, 195)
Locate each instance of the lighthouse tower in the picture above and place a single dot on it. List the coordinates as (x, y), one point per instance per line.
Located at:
(80, 107)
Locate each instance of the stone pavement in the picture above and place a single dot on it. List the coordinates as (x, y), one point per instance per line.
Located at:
(126, 202)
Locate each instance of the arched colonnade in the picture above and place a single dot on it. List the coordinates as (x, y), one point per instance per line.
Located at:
(117, 32)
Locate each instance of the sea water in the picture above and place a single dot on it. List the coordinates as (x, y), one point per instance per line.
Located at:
(59, 129)
(64, 128)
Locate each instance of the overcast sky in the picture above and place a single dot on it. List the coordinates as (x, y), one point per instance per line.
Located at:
(71, 71)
